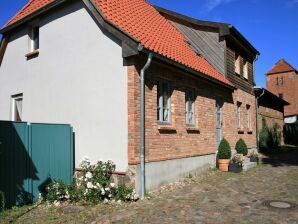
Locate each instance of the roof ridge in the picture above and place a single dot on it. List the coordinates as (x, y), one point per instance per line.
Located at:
(281, 66)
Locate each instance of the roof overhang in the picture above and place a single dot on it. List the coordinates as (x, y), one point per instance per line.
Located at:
(259, 90)
(224, 29)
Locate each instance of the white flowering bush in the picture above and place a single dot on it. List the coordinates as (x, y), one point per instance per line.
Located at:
(93, 184)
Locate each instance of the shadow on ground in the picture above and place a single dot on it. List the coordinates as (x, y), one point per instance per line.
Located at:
(284, 156)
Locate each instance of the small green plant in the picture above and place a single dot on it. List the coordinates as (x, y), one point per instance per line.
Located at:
(274, 136)
(241, 147)
(2, 201)
(224, 150)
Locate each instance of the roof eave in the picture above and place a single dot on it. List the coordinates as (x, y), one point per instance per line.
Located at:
(271, 94)
(185, 68)
(32, 16)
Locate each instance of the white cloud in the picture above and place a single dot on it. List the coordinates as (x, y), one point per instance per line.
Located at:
(212, 4)
(291, 3)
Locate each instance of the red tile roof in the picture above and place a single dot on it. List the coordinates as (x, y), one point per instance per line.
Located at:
(143, 23)
(281, 66)
(29, 8)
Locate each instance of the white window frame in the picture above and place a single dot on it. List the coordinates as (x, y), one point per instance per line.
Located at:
(161, 109)
(190, 115)
(14, 100)
(248, 117)
(238, 115)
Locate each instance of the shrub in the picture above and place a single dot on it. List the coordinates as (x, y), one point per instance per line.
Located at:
(93, 185)
(224, 150)
(241, 147)
(274, 137)
(2, 201)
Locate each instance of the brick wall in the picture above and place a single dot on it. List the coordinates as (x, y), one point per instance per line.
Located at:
(272, 116)
(288, 86)
(175, 141)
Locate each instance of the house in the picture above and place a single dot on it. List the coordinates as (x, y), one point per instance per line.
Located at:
(270, 108)
(83, 62)
(282, 80)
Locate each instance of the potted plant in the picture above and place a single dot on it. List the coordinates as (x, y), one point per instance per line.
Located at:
(241, 147)
(254, 157)
(224, 155)
(236, 163)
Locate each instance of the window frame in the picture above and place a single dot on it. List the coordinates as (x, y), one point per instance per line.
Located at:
(245, 69)
(239, 115)
(237, 64)
(34, 38)
(14, 99)
(190, 97)
(160, 100)
(248, 117)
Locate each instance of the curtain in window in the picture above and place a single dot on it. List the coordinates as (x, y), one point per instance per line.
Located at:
(18, 113)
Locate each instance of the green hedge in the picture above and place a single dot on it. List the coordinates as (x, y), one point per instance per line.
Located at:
(2, 201)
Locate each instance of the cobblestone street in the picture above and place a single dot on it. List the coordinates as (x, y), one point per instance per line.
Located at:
(214, 197)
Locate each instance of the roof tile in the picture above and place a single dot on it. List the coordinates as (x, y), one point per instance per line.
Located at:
(281, 66)
(143, 22)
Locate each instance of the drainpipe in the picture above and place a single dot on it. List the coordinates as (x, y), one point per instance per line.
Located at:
(142, 124)
(257, 117)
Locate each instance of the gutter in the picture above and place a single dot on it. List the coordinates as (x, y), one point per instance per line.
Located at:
(142, 126)
(257, 116)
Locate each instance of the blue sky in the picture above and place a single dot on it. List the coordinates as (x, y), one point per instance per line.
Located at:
(270, 25)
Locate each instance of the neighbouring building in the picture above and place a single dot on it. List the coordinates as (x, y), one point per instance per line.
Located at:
(271, 108)
(79, 62)
(282, 80)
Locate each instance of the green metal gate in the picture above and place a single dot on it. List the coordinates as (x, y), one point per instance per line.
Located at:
(31, 155)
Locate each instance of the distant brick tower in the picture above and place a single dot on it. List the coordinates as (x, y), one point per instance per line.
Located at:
(282, 80)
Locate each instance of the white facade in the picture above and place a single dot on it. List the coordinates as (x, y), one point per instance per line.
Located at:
(79, 78)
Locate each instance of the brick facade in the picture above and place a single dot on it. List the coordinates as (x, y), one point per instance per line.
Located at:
(176, 141)
(285, 83)
(271, 115)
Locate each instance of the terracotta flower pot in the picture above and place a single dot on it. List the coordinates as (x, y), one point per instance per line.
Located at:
(223, 165)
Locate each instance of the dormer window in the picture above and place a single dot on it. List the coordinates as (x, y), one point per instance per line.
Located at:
(237, 64)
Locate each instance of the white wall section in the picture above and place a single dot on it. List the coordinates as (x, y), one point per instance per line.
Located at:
(78, 78)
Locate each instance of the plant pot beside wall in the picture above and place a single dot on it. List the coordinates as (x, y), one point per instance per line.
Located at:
(235, 168)
(224, 155)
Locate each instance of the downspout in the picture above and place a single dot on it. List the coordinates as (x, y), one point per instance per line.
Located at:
(257, 117)
(142, 124)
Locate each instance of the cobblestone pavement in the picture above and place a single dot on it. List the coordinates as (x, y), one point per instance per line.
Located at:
(214, 197)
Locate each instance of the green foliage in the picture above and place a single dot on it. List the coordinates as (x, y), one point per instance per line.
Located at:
(241, 147)
(274, 137)
(224, 150)
(2, 201)
(270, 137)
(93, 184)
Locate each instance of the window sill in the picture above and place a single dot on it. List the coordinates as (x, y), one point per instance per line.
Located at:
(249, 131)
(32, 54)
(193, 129)
(166, 128)
(240, 130)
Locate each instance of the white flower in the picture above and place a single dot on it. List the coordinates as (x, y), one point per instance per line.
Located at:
(90, 185)
(107, 189)
(57, 203)
(105, 201)
(110, 195)
(112, 185)
(88, 175)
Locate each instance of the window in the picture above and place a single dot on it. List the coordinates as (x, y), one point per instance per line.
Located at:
(248, 117)
(239, 115)
(34, 38)
(245, 69)
(164, 102)
(190, 107)
(280, 95)
(237, 64)
(17, 106)
(280, 81)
